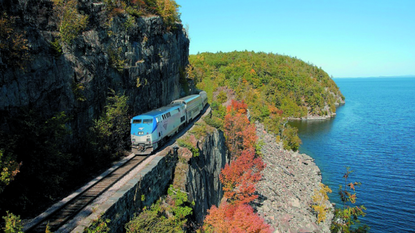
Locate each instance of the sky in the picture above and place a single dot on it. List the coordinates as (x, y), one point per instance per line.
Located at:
(346, 38)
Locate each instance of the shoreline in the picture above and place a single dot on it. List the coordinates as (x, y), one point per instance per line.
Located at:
(286, 189)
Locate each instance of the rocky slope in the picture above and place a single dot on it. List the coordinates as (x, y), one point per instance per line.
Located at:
(287, 187)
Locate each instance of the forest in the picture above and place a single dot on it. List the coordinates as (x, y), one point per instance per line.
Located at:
(275, 87)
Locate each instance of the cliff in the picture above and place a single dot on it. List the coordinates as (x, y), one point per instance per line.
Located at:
(143, 60)
(203, 183)
(140, 58)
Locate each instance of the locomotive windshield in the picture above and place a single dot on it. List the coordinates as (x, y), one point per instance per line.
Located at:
(136, 121)
(147, 121)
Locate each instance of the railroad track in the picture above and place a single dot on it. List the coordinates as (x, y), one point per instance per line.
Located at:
(62, 212)
(68, 210)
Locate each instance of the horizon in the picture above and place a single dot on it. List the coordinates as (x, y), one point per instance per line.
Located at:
(346, 39)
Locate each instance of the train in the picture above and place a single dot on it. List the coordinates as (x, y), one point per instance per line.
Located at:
(151, 130)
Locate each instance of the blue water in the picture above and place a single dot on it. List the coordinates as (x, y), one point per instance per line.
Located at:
(374, 134)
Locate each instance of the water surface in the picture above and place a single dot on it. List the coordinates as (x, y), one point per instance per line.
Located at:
(374, 134)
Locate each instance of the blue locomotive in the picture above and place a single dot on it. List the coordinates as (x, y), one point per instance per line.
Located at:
(150, 130)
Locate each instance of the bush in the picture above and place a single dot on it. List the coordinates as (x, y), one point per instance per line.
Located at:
(14, 48)
(290, 138)
(112, 128)
(166, 215)
(70, 21)
(13, 224)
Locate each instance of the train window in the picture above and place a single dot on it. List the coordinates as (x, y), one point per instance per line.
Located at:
(147, 121)
(136, 121)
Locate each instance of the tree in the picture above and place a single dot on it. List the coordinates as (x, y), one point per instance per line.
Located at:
(8, 169)
(113, 126)
(346, 219)
(240, 133)
(234, 218)
(240, 177)
(320, 198)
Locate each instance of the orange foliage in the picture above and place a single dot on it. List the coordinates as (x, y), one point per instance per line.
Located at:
(274, 110)
(240, 177)
(234, 218)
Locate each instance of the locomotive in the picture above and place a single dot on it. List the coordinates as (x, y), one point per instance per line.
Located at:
(151, 130)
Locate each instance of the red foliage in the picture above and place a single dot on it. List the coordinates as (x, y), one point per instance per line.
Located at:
(234, 218)
(239, 131)
(238, 106)
(240, 177)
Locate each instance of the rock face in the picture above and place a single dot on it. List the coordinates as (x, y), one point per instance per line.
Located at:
(143, 60)
(202, 181)
(287, 187)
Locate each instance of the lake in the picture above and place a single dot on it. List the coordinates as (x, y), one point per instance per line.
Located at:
(374, 135)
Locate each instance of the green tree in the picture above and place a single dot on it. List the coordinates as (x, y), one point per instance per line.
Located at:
(111, 129)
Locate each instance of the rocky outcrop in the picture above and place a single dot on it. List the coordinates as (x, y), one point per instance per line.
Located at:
(198, 175)
(287, 187)
(202, 182)
(143, 60)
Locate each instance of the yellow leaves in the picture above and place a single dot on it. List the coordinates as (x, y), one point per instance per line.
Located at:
(320, 199)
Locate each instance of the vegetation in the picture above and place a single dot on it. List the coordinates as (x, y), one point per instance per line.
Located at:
(167, 9)
(8, 169)
(320, 198)
(167, 215)
(186, 142)
(14, 48)
(346, 218)
(274, 87)
(111, 129)
(38, 166)
(13, 223)
(238, 179)
(99, 225)
(71, 22)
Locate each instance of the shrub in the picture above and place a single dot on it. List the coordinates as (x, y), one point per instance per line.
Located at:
(187, 144)
(346, 218)
(8, 169)
(320, 198)
(14, 48)
(166, 215)
(98, 226)
(13, 224)
(70, 21)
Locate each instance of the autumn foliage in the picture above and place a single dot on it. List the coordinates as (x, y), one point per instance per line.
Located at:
(238, 178)
(240, 133)
(234, 218)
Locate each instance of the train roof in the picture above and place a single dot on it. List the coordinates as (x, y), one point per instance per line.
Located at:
(160, 111)
(186, 99)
